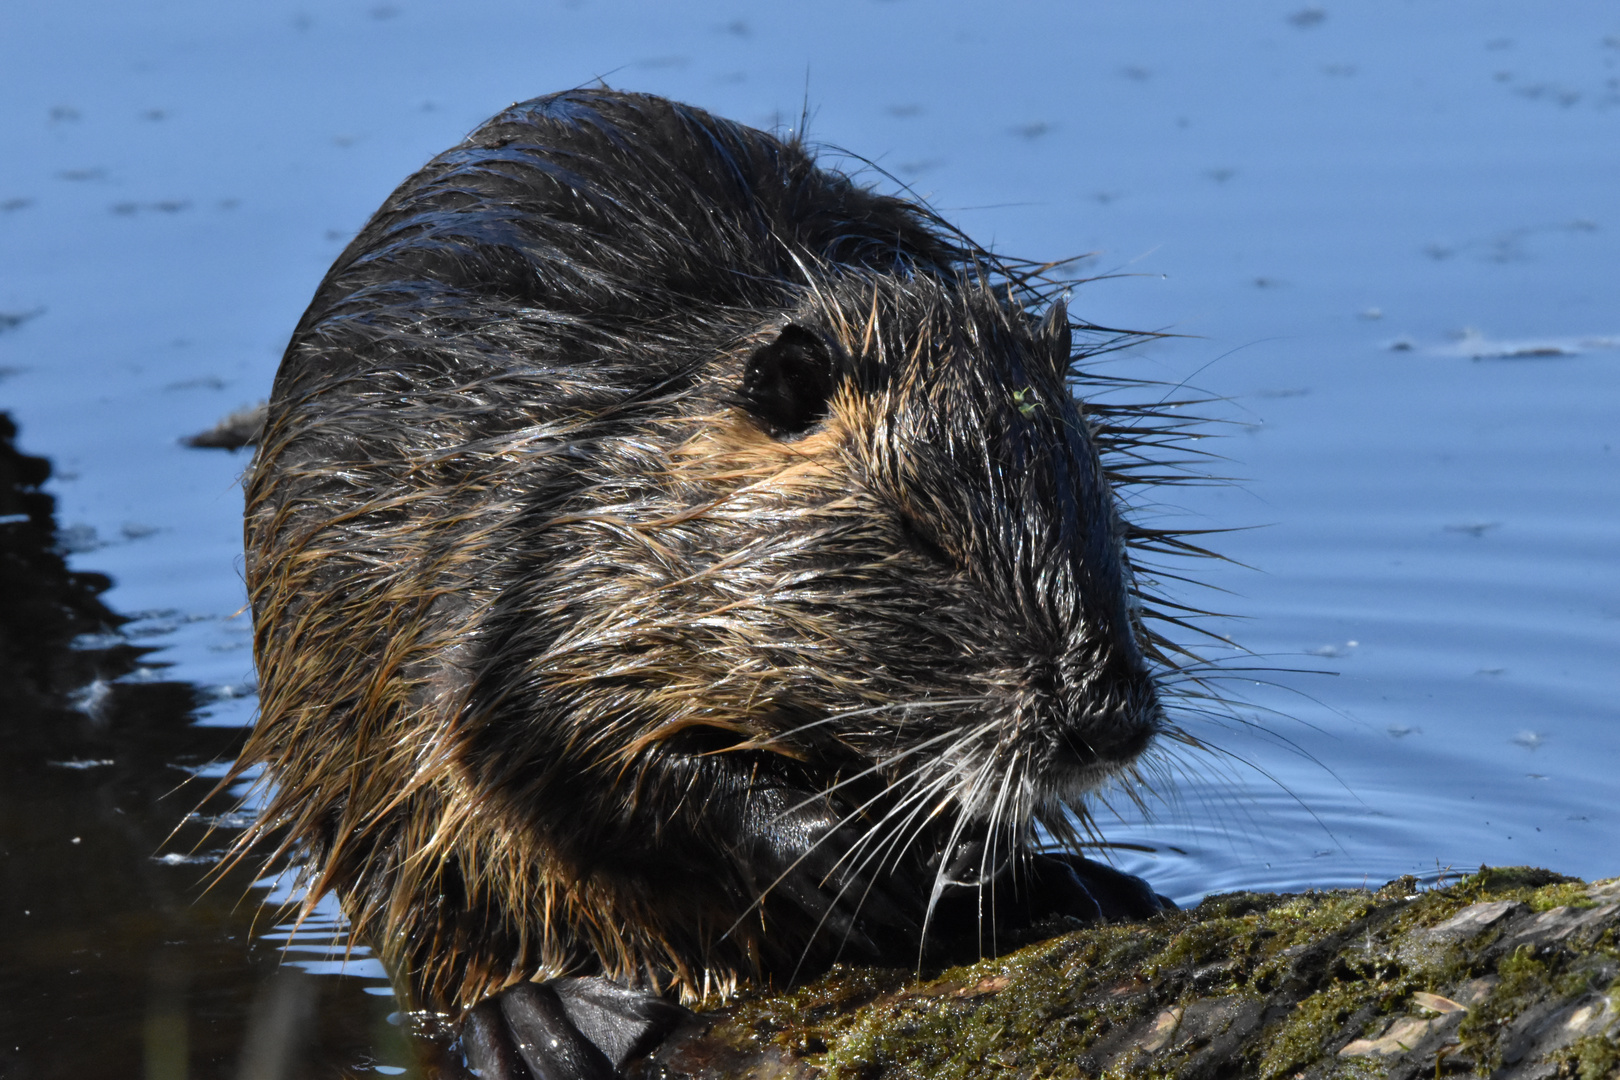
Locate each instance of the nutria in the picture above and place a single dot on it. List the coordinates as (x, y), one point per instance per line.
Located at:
(675, 564)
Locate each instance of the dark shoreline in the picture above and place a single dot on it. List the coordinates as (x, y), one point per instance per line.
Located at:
(114, 958)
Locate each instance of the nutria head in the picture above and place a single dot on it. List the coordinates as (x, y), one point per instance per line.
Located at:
(876, 535)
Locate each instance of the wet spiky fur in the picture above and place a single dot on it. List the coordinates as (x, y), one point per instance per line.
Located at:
(578, 655)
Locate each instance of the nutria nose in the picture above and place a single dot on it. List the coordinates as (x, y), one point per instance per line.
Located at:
(1104, 708)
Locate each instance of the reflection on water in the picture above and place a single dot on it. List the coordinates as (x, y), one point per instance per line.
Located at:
(114, 961)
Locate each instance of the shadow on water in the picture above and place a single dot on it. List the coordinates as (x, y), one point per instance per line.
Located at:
(114, 958)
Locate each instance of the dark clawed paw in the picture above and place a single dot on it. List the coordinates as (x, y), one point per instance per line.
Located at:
(1093, 891)
(858, 898)
(564, 1029)
(849, 904)
(623, 1023)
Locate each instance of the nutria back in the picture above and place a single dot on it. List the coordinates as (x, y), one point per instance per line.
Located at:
(672, 560)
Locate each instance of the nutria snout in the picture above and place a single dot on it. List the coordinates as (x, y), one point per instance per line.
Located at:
(673, 561)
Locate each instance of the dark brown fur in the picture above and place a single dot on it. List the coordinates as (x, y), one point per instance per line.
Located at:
(580, 652)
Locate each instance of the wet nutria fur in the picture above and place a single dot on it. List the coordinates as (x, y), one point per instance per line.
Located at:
(672, 560)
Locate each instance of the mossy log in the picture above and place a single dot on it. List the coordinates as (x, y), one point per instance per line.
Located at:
(1507, 973)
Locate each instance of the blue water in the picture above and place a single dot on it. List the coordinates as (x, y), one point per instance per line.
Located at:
(1386, 232)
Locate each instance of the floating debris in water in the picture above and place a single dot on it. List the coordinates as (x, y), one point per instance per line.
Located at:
(10, 320)
(162, 206)
(1334, 650)
(241, 428)
(93, 642)
(1473, 344)
(77, 539)
(228, 691)
(235, 819)
(91, 699)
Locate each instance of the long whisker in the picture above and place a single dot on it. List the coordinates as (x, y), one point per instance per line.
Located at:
(964, 803)
(941, 782)
(915, 805)
(766, 741)
(883, 765)
(853, 813)
(987, 858)
(918, 802)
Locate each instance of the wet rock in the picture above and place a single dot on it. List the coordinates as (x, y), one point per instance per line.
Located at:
(1509, 973)
(1474, 919)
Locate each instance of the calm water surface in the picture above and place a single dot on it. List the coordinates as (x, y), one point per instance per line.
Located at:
(1386, 232)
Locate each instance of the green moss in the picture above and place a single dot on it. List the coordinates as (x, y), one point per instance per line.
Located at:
(930, 1037)
(840, 989)
(1596, 1058)
(1357, 1066)
(1405, 885)
(1521, 973)
(1522, 980)
(1302, 1038)
(1492, 880)
(1038, 1012)
(1023, 1011)
(1204, 942)
(1236, 905)
(1565, 894)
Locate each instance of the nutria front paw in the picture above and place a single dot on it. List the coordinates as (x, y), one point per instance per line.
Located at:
(827, 870)
(1092, 891)
(564, 1029)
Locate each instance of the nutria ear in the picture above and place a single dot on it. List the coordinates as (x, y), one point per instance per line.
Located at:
(1054, 330)
(787, 382)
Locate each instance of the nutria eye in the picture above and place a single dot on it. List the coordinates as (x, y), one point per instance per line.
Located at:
(923, 543)
(787, 383)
